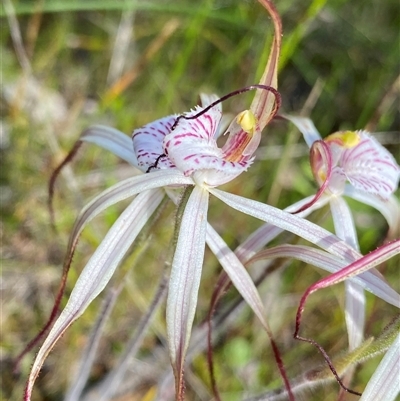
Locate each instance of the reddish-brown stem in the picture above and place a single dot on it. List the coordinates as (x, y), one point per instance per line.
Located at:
(281, 368)
(53, 315)
(319, 347)
(222, 285)
(72, 153)
(67, 262)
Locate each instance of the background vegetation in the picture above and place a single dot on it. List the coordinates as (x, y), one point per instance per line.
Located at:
(125, 63)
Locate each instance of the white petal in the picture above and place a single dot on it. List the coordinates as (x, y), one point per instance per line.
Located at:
(384, 384)
(191, 145)
(354, 313)
(337, 181)
(111, 139)
(98, 270)
(223, 173)
(185, 278)
(192, 148)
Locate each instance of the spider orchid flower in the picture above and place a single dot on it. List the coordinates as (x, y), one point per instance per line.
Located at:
(175, 151)
(179, 152)
(352, 164)
(346, 163)
(355, 164)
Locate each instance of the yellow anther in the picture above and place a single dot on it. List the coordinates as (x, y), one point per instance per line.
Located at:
(351, 139)
(248, 121)
(347, 139)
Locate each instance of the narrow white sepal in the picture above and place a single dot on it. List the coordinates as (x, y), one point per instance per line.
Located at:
(289, 222)
(185, 276)
(99, 270)
(123, 190)
(355, 297)
(389, 208)
(111, 139)
(267, 232)
(236, 272)
(369, 280)
(384, 384)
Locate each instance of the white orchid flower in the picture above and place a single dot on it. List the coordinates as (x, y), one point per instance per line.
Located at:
(348, 163)
(187, 262)
(354, 164)
(177, 152)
